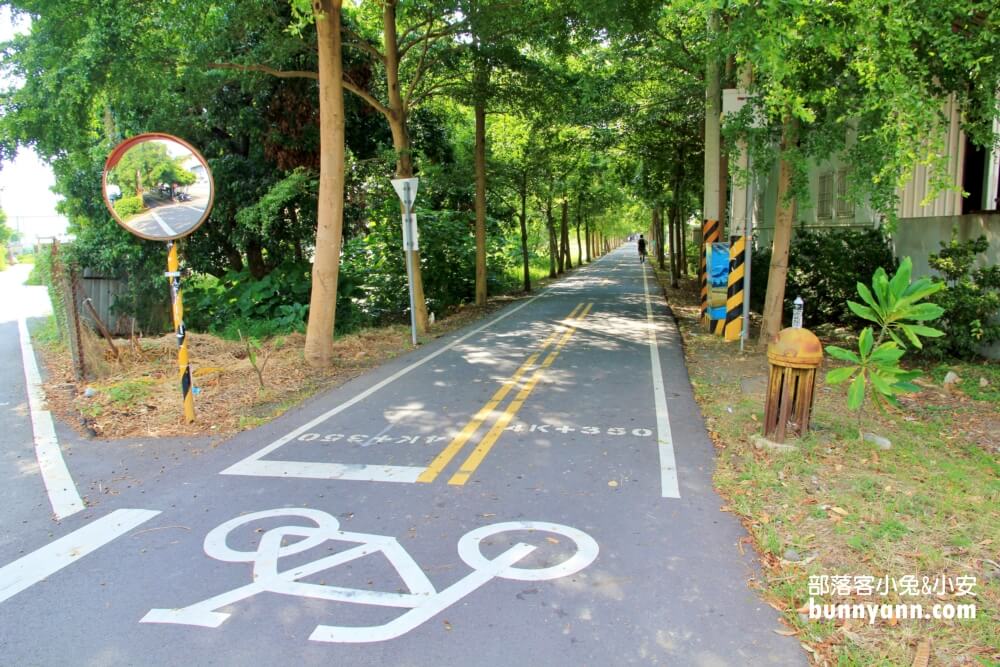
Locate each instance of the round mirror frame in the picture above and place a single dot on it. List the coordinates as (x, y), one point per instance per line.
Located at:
(116, 156)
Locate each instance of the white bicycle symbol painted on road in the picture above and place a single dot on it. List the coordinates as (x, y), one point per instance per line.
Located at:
(423, 601)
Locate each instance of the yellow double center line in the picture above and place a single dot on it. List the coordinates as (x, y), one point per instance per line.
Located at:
(480, 452)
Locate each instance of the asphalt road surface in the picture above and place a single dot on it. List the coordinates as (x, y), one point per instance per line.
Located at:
(22, 495)
(535, 489)
(169, 220)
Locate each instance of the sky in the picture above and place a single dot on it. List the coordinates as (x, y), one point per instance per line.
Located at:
(25, 183)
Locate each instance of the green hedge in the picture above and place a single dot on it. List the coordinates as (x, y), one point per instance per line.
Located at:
(971, 302)
(824, 269)
(41, 274)
(128, 206)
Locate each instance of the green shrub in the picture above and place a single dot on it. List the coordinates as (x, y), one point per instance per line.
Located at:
(374, 268)
(372, 285)
(7, 235)
(971, 301)
(824, 268)
(41, 275)
(693, 257)
(41, 270)
(47, 333)
(129, 206)
(275, 304)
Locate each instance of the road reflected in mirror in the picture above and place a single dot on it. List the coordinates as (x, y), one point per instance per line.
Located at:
(158, 187)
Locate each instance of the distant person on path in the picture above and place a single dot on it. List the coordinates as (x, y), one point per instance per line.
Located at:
(642, 249)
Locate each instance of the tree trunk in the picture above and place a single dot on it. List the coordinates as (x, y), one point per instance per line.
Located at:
(673, 220)
(560, 249)
(682, 238)
(255, 260)
(330, 212)
(565, 260)
(579, 243)
(401, 142)
(587, 238)
(775, 298)
(672, 233)
(524, 231)
(723, 190)
(233, 257)
(550, 223)
(713, 109)
(482, 77)
(660, 237)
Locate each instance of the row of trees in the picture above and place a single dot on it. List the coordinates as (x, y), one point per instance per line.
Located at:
(147, 165)
(865, 80)
(300, 108)
(530, 122)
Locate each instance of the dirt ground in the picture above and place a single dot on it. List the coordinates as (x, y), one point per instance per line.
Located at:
(139, 393)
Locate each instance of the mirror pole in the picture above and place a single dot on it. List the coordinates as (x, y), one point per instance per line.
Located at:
(177, 306)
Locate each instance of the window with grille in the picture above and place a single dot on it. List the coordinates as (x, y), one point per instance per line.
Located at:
(824, 204)
(845, 207)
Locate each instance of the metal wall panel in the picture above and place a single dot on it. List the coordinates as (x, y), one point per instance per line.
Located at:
(102, 292)
(916, 189)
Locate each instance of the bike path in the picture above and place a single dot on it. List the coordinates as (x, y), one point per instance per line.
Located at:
(22, 494)
(23, 497)
(372, 474)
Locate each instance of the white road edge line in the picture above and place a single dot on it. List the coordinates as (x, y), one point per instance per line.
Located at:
(42, 563)
(664, 438)
(59, 484)
(162, 223)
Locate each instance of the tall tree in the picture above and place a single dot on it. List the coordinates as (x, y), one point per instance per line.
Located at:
(330, 215)
(406, 59)
(866, 82)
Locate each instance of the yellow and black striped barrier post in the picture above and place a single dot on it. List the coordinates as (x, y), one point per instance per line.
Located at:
(177, 303)
(709, 235)
(734, 289)
(718, 327)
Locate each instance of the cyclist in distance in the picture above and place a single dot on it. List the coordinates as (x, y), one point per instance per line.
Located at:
(642, 249)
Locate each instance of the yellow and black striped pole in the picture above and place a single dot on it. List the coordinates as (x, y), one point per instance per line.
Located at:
(709, 235)
(177, 303)
(734, 288)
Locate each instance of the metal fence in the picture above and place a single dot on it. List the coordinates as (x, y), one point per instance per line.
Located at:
(102, 292)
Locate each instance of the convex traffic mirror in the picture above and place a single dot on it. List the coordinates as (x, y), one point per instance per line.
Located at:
(158, 187)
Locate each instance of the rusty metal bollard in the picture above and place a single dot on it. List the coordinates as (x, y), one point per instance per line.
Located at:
(794, 357)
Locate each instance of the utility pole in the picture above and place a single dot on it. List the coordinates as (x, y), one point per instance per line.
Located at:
(710, 230)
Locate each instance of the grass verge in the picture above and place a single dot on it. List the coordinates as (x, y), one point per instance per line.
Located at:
(929, 506)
